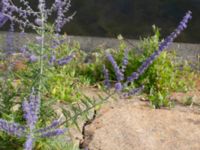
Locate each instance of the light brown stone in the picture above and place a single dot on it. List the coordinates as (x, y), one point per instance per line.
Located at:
(134, 125)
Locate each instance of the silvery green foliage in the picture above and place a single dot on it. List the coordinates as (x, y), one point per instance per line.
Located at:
(135, 75)
(22, 15)
(31, 110)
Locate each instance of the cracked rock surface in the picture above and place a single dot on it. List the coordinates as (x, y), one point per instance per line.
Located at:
(133, 125)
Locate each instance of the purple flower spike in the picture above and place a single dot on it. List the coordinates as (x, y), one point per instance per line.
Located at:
(65, 60)
(125, 61)
(23, 49)
(55, 132)
(134, 76)
(118, 87)
(62, 7)
(3, 19)
(106, 76)
(31, 110)
(118, 72)
(33, 58)
(29, 143)
(132, 92)
(162, 46)
(52, 59)
(12, 128)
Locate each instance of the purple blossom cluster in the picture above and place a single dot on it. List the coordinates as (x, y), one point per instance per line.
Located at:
(9, 10)
(117, 70)
(163, 45)
(65, 60)
(29, 142)
(135, 75)
(3, 19)
(52, 59)
(62, 8)
(31, 107)
(54, 132)
(125, 61)
(22, 15)
(31, 110)
(106, 76)
(12, 128)
(132, 92)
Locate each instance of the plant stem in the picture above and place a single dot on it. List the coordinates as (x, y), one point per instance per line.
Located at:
(41, 52)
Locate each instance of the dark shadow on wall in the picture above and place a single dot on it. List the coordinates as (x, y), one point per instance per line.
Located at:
(131, 18)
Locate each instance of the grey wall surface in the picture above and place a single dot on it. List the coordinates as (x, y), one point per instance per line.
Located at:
(185, 51)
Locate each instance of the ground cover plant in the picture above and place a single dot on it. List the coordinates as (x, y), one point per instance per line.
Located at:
(46, 74)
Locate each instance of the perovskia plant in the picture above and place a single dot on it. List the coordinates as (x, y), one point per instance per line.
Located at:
(121, 83)
(22, 16)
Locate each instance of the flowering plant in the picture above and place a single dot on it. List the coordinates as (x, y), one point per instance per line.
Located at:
(41, 57)
(122, 83)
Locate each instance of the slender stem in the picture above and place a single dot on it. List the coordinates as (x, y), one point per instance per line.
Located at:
(75, 116)
(41, 53)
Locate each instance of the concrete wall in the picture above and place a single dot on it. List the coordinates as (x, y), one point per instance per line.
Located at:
(185, 51)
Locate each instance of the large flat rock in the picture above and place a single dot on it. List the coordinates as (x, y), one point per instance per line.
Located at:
(133, 125)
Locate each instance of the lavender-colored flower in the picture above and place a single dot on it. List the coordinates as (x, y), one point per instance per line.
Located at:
(62, 7)
(29, 143)
(52, 59)
(60, 15)
(125, 61)
(118, 86)
(31, 113)
(3, 19)
(55, 132)
(12, 128)
(23, 49)
(118, 72)
(31, 110)
(65, 60)
(133, 92)
(106, 76)
(33, 58)
(162, 46)
(134, 76)
(38, 22)
(55, 43)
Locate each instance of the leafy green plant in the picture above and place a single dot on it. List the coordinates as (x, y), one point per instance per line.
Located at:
(159, 80)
